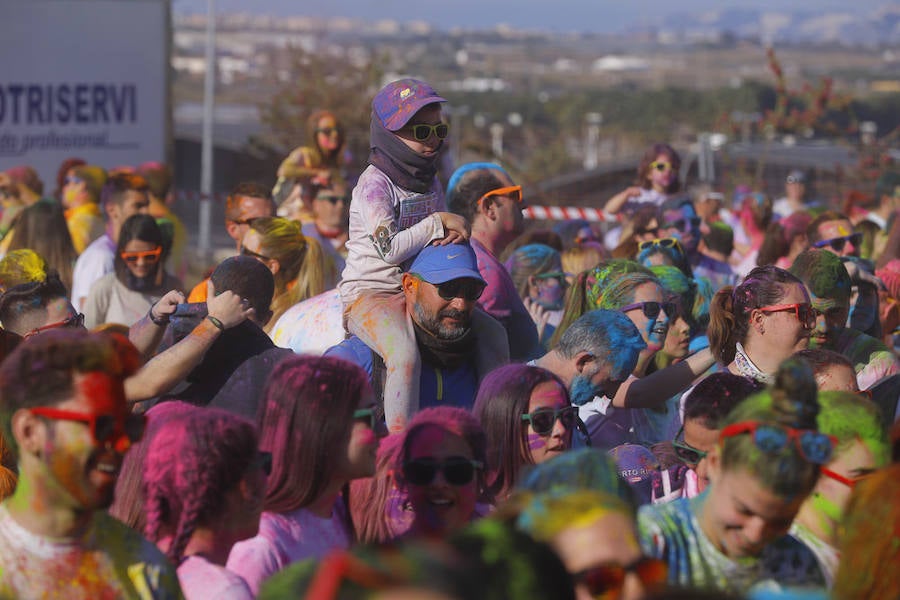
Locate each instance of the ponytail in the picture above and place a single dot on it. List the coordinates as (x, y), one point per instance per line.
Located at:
(723, 326)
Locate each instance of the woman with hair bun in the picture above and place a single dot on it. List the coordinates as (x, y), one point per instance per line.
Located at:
(760, 323)
(766, 462)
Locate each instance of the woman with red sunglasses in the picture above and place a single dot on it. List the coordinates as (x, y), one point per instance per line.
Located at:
(139, 278)
(861, 449)
(767, 460)
(757, 325)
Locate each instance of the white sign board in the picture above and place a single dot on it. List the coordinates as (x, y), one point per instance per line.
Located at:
(83, 78)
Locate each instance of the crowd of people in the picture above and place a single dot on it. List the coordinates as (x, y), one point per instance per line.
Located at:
(396, 389)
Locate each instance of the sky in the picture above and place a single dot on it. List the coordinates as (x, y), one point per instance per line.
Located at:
(601, 16)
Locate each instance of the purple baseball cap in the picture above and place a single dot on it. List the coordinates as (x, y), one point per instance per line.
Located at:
(399, 100)
(440, 264)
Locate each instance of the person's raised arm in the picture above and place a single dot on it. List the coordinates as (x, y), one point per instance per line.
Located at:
(168, 368)
(148, 332)
(615, 204)
(656, 388)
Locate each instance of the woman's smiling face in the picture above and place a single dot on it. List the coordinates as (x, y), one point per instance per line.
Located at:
(141, 265)
(652, 330)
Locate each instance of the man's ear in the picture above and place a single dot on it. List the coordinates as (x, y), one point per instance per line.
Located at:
(29, 431)
(581, 361)
(409, 284)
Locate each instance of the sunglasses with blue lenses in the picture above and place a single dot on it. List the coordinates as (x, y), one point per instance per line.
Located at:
(814, 446)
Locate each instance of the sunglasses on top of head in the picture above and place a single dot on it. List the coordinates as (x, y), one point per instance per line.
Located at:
(651, 308)
(457, 470)
(838, 243)
(151, 256)
(813, 445)
(513, 192)
(465, 287)
(422, 132)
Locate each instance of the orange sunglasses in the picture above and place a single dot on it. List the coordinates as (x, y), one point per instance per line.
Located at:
(513, 191)
(151, 256)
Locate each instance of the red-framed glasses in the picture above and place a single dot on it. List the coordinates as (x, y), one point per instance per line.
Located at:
(107, 430)
(151, 256)
(848, 481)
(73, 322)
(806, 314)
(512, 191)
(608, 580)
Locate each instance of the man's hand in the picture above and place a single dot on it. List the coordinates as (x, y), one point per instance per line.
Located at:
(456, 229)
(165, 307)
(229, 308)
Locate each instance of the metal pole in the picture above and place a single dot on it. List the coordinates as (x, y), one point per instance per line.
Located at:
(206, 152)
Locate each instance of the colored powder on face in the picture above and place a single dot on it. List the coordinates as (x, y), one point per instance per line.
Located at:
(536, 442)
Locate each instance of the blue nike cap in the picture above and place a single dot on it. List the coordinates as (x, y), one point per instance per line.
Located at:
(440, 264)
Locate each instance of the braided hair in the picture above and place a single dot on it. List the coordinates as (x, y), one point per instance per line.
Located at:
(191, 464)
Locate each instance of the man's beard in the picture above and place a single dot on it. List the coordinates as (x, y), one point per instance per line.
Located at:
(583, 391)
(434, 324)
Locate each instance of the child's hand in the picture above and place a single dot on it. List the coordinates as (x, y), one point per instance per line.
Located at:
(456, 229)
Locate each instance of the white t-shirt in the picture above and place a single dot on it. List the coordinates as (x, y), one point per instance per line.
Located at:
(201, 579)
(109, 560)
(286, 538)
(110, 301)
(95, 262)
(389, 225)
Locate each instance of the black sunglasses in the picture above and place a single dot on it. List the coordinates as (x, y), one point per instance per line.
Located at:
(543, 419)
(681, 224)
(422, 132)
(328, 131)
(255, 255)
(687, 454)
(838, 243)
(457, 470)
(466, 288)
(651, 309)
(334, 199)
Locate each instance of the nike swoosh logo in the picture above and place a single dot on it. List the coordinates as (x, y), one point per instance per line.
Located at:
(452, 256)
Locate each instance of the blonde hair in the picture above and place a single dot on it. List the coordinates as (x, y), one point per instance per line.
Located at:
(582, 257)
(304, 268)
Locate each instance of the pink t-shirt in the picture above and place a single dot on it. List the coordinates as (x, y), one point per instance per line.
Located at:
(201, 579)
(286, 538)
